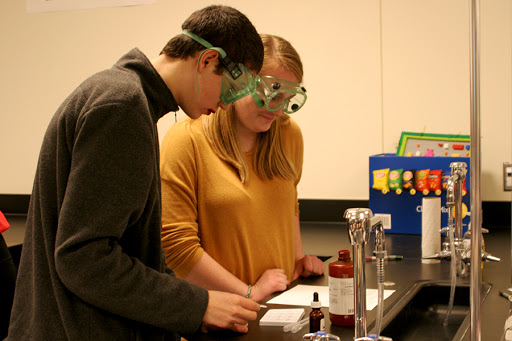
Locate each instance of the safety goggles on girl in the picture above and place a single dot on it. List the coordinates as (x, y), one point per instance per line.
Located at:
(237, 79)
(274, 93)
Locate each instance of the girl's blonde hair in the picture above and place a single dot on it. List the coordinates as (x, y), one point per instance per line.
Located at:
(270, 159)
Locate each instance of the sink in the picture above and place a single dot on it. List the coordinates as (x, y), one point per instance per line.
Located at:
(420, 313)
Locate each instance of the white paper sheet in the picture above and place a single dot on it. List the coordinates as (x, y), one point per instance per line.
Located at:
(281, 317)
(302, 295)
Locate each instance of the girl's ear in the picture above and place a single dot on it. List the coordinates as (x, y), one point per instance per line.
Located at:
(208, 59)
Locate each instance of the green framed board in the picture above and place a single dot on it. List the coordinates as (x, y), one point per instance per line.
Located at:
(423, 144)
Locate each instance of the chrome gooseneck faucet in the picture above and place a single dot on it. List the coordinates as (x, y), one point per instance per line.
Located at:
(454, 203)
(462, 249)
(454, 195)
(360, 224)
(359, 227)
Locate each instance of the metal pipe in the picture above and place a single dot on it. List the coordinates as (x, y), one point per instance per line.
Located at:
(359, 227)
(454, 202)
(359, 291)
(457, 210)
(475, 162)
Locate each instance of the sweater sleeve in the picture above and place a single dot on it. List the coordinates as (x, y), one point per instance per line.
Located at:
(178, 170)
(111, 172)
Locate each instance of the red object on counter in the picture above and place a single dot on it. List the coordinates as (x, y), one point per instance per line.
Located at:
(458, 146)
(4, 224)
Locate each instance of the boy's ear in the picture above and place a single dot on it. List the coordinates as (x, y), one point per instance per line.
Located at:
(209, 58)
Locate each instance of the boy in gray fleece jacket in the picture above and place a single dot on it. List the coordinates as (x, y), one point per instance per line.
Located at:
(92, 266)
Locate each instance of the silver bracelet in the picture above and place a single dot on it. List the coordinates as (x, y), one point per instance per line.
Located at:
(249, 292)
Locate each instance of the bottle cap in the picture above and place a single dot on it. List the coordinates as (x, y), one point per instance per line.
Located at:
(344, 254)
(316, 302)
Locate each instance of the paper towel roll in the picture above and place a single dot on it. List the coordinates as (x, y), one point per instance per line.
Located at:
(430, 226)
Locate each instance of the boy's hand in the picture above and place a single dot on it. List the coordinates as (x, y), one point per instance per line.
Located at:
(229, 311)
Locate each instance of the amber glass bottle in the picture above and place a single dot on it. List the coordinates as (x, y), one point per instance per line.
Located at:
(341, 290)
(316, 317)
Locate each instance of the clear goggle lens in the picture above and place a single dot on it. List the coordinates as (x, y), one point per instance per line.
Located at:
(274, 93)
(234, 89)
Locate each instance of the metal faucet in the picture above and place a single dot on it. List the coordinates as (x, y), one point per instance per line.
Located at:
(360, 224)
(454, 195)
(454, 204)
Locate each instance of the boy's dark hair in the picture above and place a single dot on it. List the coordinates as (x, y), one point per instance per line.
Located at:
(224, 27)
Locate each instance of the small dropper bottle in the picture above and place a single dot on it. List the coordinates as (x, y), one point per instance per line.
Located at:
(316, 317)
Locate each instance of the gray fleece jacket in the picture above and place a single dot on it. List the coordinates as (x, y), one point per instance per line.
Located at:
(92, 266)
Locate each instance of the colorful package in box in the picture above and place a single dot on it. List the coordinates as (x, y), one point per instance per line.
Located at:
(408, 181)
(421, 181)
(434, 181)
(381, 180)
(395, 180)
(444, 179)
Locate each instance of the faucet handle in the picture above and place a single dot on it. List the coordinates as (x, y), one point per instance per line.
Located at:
(486, 256)
(359, 224)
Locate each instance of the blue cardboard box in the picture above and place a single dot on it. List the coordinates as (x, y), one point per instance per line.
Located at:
(401, 213)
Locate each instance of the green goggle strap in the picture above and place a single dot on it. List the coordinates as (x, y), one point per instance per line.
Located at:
(233, 69)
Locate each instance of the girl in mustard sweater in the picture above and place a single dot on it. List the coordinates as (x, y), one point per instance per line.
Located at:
(230, 213)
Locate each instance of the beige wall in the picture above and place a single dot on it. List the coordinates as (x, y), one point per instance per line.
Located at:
(371, 73)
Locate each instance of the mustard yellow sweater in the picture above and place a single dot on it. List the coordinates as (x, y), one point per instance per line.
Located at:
(247, 228)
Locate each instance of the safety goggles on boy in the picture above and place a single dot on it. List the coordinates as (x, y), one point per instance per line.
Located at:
(275, 93)
(237, 79)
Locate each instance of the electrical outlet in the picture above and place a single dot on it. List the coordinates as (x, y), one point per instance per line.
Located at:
(507, 176)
